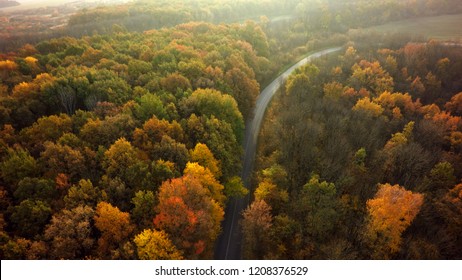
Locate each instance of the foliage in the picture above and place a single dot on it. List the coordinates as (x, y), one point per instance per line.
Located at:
(70, 233)
(382, 135)
(115, 132)
(155, 245)
(115, 228)
(256, 222)
(188, 213)
(391, 211)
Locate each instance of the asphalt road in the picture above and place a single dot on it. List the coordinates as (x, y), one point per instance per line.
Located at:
(229, 243)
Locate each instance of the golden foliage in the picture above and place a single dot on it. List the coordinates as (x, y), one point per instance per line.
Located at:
(202, 155)
(156, 245)
(368, 106)
(114, 225)
(391, 211)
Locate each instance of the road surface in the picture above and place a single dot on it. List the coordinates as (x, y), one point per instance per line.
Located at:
(229, 243)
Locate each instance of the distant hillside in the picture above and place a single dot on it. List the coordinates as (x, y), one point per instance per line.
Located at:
(7, 3)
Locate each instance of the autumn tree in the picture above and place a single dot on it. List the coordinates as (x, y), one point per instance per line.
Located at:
(122, 160)
(188, 214)
(455, 104)
(369, 107)
(156, 245)
(272, 195)
(115, 228)
(57, 158)
(49, 128)
(219, 138)
(202, 155)
(70, 233)
(105, 132)
(207, 179)
(256, 223)
(244, 89)
(162, 140)
(154, 129)
(22, 248)
(371, 76)
(175, 82)
(390, 212)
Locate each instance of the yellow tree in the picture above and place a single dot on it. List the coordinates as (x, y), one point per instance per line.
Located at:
(371, 76)
(205, 176)
(271, 194)
(390, 212)
(156, 245)
(369, 107)
(202, 155)
(114, 226)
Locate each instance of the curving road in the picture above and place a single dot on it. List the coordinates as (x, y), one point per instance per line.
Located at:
(229, 243)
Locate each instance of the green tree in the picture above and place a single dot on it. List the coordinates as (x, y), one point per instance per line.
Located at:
(143, 211)
(234, 187)
(35, 188)
(17, 164)
(319, 206)
(219, 138)
(150, 105)
(209, 102)
(120, 160)
(440, 179)
(30, 217)
(83, 193)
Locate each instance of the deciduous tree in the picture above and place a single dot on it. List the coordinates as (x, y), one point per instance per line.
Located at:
(256, 225)
(390, 212)
(188, 214)
(156, 245)
(115, 228)
(70, 233)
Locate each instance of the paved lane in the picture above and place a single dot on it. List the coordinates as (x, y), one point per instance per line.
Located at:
(229, 243)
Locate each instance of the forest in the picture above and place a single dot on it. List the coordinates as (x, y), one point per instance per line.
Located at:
(367, 161)
(121, 136)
